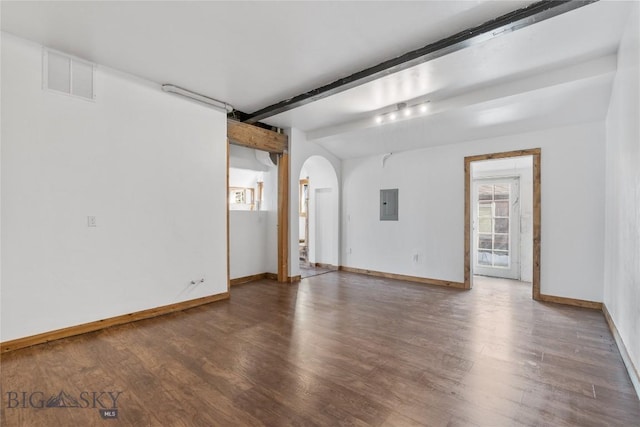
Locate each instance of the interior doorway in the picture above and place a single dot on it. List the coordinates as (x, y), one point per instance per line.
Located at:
(502, 217)
(303, 223)
(318, 217)
(496, 227)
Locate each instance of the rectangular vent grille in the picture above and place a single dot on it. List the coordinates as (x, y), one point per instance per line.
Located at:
(68, 75)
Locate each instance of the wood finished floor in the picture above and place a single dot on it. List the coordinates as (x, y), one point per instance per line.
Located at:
(308, 271)
(338, 349)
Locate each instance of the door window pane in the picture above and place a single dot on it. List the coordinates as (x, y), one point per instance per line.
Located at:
(485, 258)
(484, 225)
(484, 241)
(485, 192)
(502, 208)
(501, 241)
(484, 209)
(501, 225)
(501, 191)
(500, 259)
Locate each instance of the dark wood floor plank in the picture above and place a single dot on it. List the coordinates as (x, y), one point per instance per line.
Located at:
(340, 349)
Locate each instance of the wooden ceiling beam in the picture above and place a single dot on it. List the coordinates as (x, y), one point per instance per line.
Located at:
(504, 24)
(251, 136)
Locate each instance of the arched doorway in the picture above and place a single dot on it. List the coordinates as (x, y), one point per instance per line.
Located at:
(318, 217)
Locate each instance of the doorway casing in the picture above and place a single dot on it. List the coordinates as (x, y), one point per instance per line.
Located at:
(535, 153)
(251, 136)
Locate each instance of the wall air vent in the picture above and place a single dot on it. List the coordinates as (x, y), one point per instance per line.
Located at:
(68, 75)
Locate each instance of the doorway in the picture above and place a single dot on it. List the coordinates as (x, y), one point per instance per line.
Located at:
(496, 227)
(502, 228)
(303, 223)
(318, 222)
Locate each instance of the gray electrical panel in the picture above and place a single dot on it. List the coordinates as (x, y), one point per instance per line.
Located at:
(389, 205)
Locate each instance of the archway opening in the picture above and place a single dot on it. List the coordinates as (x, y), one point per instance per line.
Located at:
(318, 217)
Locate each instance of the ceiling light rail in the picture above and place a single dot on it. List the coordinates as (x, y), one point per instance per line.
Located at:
(197, 97)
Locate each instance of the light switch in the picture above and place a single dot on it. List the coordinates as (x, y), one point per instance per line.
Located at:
(91, 221)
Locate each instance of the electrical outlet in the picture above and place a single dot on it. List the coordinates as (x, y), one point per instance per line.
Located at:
(91, 221)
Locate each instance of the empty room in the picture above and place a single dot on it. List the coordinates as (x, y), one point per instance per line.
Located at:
(270, 213)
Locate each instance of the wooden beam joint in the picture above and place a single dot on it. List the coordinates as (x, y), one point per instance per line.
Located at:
(251, 136)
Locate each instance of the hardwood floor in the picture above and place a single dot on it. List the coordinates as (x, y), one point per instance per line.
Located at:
(335, 349)
(310, 271)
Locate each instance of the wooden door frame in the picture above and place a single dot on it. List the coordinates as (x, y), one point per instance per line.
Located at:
(283, 217)
(251, 136)
(535, 153)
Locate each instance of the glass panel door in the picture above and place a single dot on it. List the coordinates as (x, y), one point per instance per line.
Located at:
(496, 227)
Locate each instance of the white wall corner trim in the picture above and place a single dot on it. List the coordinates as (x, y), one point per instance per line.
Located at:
(632, 370)
(622, 183)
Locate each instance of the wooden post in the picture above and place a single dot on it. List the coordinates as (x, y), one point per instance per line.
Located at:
(283, 217)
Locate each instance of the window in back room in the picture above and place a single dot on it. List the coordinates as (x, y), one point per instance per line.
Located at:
(245, 189)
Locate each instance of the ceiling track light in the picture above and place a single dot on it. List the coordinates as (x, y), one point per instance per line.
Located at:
(404, 110)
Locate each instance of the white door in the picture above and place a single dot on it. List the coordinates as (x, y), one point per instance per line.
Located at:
(496, 227)
(323, 226)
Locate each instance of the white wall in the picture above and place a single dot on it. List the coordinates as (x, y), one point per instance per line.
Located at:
(622, 229)
(431, 214)
(300, 149)
(150, 166)
(248, 243)
(245, 158)
(252, 234)
(521, 167)
(324, 210)
(325, 249)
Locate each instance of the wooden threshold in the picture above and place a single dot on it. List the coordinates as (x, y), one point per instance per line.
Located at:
(571, 301)
(423, 280)
(632, 369)
(327, 266)
(107, 323)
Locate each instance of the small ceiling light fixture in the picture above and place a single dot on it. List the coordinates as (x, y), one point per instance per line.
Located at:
(407, 112)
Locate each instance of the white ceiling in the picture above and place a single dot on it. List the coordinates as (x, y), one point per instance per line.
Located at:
(253, 54)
